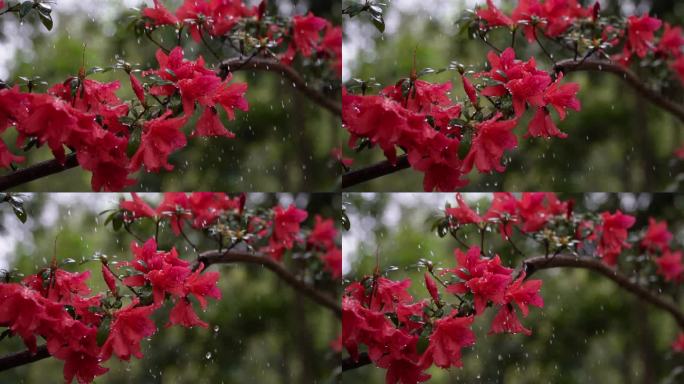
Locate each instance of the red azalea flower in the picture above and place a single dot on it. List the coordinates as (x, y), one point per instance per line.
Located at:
(431, 287)
(525, 293)
(492, 138)
(160, 15)
(82, 366)
(13, 106)
(64, 285)
(657, 236)
(388, 294)
(323, 234)
(51, 120)
(528, 89)
(109, 279)
(678, 67)
(463, 214)
(533, 214)
(506, 321)
(542, 125)
(197, 15)
(614, 235)
(469, 89)
(285, 229)
(137, 208)
(105, 156)
(129, 326)
(562, 96)
(493, 16)
(203, 285)
(332, 47)
(22, 310)
(437, 157)
(333, 262)
(670, 266)
(183, 314)
(137, 88)
(7, 157)
(306, 33)
(678, 345)
(161, 137)
(640, 34)
(169, 279)
(232, 97)
(405, 371)
(175, 205)
(672, 41)
(450, 334)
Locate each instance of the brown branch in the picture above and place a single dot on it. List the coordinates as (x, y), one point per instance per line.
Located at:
(36, 171)
(273, 65)
(374, 171)
(350, 363)
(628, 76)
(229, 257)
(21, 358)
(537, 263)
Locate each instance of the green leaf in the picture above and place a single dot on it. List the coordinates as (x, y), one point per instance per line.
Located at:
(25, 8)
(379, 22)
(346, 224)
(117, 222)
(46, 19)
(20, 213)
(353, 10)
(67, 261)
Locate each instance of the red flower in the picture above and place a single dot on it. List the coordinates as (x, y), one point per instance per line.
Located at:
(493, 16)
(640, 33)
(183, 314)
(285, 229)
(203, 286)
(670, 266)
(562, 97)
(305, 35)
(232, 97)
(469, 89)
(160, 15)
(441, 164)
(51, 120)
(507, 321)
(169, 279)
(82, 366)
(194, 13)
(137, 88)
(333, 262)
(450, 334)
(129, 326)
(528, 89)
(524, 293)
(672, 41)
(7, 157)
(161, 137)
(542, 125)
(431, 287)
(175, 205)
(64, 285)
(463, 214)
(323, 234)
(533, 214)
(105, 156)
(678, 67)
(109, 279)
(614, 235)
(678, 345)
(657, 236)
(492, 138)
(137, 208)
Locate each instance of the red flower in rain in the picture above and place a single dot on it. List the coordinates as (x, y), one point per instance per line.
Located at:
(129, 326)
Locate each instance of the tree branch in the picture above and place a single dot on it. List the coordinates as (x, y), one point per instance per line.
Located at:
(36, 171)
(229, 257)
(21, 358)
(349, 363)
(374, 171)
(628, 76)
(272, 65)
(537, 263)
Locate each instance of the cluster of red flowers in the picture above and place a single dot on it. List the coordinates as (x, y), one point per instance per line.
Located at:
(306, 35)
(86, 116)
(380, 313)
(58, 305)
(203, 210)
(557, 17)
(54, 304)
(424, 122)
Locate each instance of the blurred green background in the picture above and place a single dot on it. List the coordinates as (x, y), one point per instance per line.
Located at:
(283, 143)
(589, 331)
(617, 142)
(261, 331)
